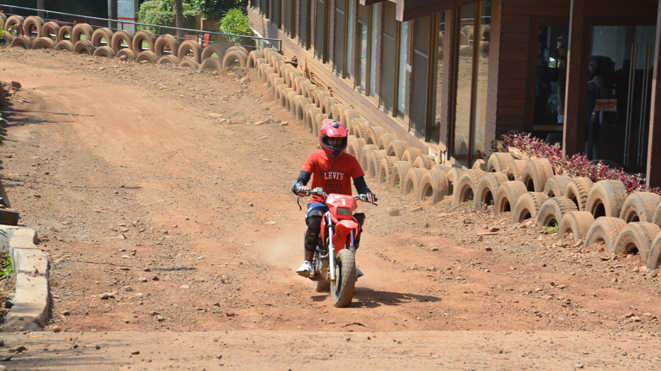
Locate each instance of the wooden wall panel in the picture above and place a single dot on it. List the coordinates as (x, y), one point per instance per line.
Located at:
(339, 86)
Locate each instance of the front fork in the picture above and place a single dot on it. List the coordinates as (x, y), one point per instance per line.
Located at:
(331, 252)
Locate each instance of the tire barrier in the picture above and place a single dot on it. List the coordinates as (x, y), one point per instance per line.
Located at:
(126, 55)
(508, 195)
(605, 229)
(553, 210)
(166, 44)
(64, 45)
(385, 139)
(606, 198)
(32, 27)
(576, 222)
(412, 181)
(359, 127)
(410, 154)
(209, 64)
(385, 169)
(433, 186)
(479, 165)
(104, 51)
(142, 37)
(424, 162)
(355, 145)
(43, 43)
(636, 237)
(373, 134)
(528, 205)
(373, 161)
(189, 63)
(64, 34)
(12, 22)
(146, 56)
(488, 185)
(654, 257)
(122, 40)
(465, 187)
(83, 47)
(101, 34)
(232, 56)
(166, 59)
(452, 176)
(6, 38)
(578, 191)
(21, 42)
(535, 174)
(190, 48)
(556, 185)
(212, 49)
(640, 207)
(79, 30)
(399, 172)
(502, 162)
(397, 148)
(252, 57)
(50, 30)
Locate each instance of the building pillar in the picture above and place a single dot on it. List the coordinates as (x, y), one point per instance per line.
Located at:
(654, 141)
(573, 140)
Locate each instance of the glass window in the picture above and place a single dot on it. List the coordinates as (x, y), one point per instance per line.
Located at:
(388, 55)
(435, 135)
(362, 55)
(372, 49)
(340, 28)
(288, 17)
(350, 8)
(481, 41)
(303, 34)
(401, 81)
(320, 28)
(275, 12)
(462, 124)
(420, 65)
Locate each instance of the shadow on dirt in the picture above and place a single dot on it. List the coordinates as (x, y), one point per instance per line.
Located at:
(368, 298)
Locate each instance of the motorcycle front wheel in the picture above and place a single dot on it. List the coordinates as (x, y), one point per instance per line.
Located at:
(345, 278)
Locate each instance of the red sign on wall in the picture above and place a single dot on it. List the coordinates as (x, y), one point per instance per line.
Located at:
(606, 105)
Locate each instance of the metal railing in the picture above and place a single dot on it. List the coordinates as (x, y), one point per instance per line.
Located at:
(247, 41)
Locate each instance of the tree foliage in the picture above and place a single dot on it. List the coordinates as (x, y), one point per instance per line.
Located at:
(236, 23)
(162, 12)
(216, 9)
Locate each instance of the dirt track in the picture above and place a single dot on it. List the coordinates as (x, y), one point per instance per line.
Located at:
(154, 185)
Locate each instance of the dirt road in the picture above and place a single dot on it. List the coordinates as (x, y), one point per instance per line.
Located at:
(155, 186)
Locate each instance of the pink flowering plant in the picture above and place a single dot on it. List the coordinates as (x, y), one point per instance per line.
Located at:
(577, 165)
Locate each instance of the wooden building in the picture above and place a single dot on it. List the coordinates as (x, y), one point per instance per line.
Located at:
(449, 75)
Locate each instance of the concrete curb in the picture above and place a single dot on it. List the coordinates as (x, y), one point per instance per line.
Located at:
(30, 264)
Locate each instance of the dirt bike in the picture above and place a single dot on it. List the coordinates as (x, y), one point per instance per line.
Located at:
(336, 247)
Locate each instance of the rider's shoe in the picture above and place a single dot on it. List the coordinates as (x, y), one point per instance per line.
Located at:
(359, 273)
(305, 269)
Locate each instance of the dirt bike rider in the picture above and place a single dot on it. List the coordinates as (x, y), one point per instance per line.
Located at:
(332, 169)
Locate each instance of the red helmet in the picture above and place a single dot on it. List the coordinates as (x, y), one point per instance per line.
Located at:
(333, 129)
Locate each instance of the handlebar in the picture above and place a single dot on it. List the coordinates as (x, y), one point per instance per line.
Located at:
(320, 192)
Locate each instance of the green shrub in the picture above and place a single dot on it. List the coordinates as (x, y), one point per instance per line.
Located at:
(237, 23)
(216, 9)
(162, 13)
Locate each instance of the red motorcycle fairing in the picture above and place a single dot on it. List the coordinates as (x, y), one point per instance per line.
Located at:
(342, 230)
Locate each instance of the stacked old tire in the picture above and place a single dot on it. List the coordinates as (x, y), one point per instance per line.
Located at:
(143, 46)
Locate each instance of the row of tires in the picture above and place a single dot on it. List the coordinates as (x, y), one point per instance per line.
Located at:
(141, 46)
(592, 212)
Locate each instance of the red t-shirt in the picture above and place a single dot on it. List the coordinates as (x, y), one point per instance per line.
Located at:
(333, 175)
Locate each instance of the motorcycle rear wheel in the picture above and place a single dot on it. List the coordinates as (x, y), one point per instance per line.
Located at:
(321, 286)
(345, 279)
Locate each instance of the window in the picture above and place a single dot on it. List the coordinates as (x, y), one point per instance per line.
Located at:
(420, 64)
(350, 9)
(289, 17)
(320, 45)
(472, 76)
(401, 83)
(362, 55)
(263, 7)
(304, 26)
(339, 35)
(275, 12)
(374, 17)
(388, 55)
(438, 59)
